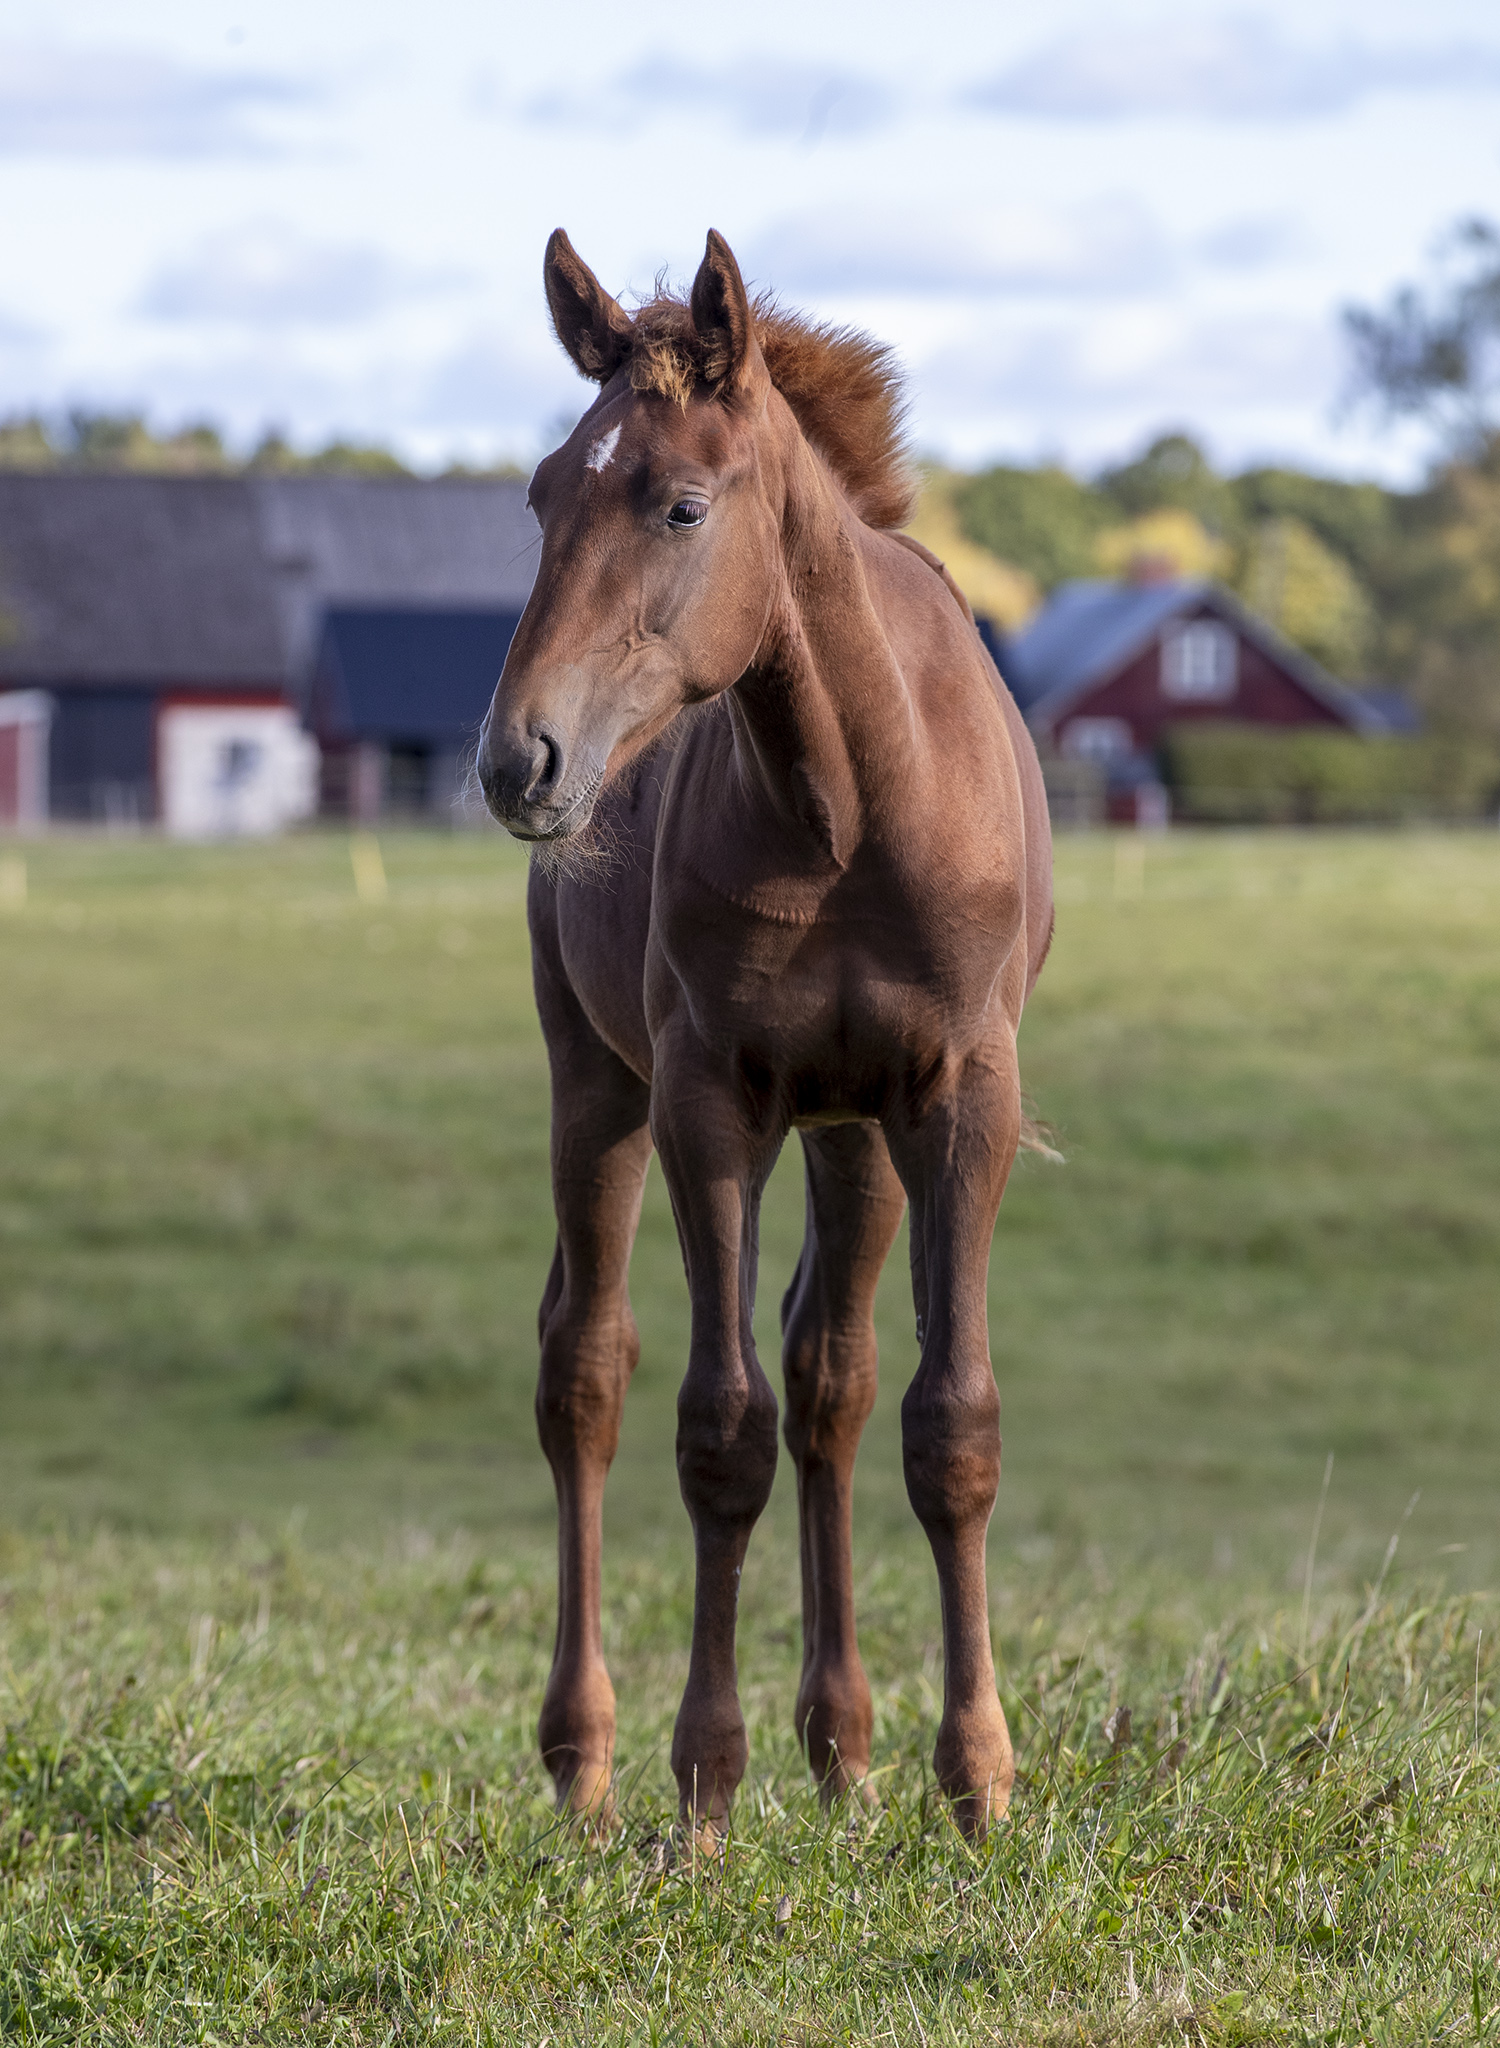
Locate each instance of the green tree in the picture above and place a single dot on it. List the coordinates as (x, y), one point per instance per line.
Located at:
(25, 443)
(1043, 521)
(1309, 594)
(276, 455)
(1358, 521)
(105, 440)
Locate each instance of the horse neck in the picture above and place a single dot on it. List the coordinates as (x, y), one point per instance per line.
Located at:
(822, 718)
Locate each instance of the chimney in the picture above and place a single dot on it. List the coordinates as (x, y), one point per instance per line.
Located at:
(1147, 568)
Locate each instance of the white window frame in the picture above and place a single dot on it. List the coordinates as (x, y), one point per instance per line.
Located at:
(1098, 739)
(1200, 662)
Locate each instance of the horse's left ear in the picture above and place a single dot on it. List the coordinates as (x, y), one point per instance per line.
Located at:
(724, 323)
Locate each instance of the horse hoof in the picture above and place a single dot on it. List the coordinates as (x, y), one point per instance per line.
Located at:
(586, 1797)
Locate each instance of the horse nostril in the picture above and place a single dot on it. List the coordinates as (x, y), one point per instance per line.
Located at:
(546, 764)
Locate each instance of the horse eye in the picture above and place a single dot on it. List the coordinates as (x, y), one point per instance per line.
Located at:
(688, 512)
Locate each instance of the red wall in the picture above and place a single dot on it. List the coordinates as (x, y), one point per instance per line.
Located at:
(1265, 694)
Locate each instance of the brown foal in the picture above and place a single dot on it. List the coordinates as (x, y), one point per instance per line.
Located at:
(794, 869)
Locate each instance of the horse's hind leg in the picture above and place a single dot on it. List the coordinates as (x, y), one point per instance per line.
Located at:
(854, 1207)
(601, 1147)
(954, 1150)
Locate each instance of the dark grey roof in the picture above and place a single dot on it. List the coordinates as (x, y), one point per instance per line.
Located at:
(340, 541)
(1087, 631)
(127, 579)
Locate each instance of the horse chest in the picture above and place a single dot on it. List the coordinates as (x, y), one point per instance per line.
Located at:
(838, 1007)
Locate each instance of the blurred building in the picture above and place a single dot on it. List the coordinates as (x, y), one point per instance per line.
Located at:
(396, 700)
(160, 639)
(25, 731)
(1104, 669)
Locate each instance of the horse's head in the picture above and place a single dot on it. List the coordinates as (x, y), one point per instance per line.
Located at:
(659, 543)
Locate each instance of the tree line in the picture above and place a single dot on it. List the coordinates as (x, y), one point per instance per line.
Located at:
(86, 440)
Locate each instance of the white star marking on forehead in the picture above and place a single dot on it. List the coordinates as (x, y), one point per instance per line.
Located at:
(602, 454)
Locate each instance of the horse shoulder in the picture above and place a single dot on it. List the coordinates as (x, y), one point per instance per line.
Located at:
(1037, 828)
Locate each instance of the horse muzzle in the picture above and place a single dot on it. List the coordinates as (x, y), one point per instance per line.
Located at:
(529, 783)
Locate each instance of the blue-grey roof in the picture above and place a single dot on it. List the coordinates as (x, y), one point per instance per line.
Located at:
(1087, 631)
(412, 675)
(1392, 708)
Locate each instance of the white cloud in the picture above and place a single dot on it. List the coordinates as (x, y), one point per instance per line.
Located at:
(1252, 242)
(1234, 68)
(1118, 378)
(1109, 246)
(132, 102)
(760, 96)
(17, 333)
(489, 390)
(265, 274)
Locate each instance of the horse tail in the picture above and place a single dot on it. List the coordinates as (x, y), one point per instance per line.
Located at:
(1039, 1137)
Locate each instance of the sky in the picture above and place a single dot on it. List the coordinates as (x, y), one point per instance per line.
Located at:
(1080, 225)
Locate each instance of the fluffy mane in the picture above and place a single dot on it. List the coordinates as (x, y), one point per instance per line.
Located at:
(844, 389)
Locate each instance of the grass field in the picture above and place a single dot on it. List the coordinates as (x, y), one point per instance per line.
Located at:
(275, 1598)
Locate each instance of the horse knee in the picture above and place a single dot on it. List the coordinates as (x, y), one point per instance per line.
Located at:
(830, 1391)
(580, 1389)
(726, 1446)
(950, 1446)
(829, 1366)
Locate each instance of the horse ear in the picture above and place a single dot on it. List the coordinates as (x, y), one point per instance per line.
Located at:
(724, 323)
(592, 327)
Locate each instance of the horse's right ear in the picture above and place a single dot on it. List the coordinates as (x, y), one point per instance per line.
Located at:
(592, 327)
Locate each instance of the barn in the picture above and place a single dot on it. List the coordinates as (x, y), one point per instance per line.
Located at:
(396, 700)
(160, 639)
(1105, 668)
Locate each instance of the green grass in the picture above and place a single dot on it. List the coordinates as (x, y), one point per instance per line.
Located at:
(275, 1592)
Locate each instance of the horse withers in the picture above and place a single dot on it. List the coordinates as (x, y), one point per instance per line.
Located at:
(823, 897)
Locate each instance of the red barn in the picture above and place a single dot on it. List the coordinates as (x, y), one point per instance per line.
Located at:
(1105, 667)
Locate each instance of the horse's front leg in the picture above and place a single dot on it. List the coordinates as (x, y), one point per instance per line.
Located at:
(716, 1162)
(954, 1152)
(601, 1147)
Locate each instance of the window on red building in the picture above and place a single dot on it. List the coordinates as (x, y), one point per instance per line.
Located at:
(1199, 662)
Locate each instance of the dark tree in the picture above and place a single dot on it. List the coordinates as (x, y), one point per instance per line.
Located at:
(1173, 471)
(1436, 354)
